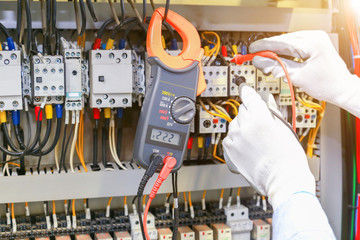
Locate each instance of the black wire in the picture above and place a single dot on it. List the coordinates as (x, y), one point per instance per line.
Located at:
(19, 138)
(4, 128)
(168, 198)
(167, 6)
(29, 26)
(139, 196)
(122, 6)
(4, 30)
(57, 43)
(144, 11)
(66, 147)
(95, 143)
(104, 139)
(83, 17)
(91, 10)
(119, 142)
(174, 177)
(53, 17)
(133, 201)
(18, 19)
(62, 147)
(119, 27)
(46, 137)
(56, 137)
(104, 26)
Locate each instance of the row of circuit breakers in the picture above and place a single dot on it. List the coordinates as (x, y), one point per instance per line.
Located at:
(118, 79)
(233, 222)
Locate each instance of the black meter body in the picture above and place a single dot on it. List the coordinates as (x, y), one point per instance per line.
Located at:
(167, 112)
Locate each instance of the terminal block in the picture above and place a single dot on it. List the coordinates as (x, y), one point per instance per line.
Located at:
(208, 123)
(136, 229)
(305, 116)
(111, 81)
(10, 72)
(221, 231)
(48, 79)
(267, 83)
(237, 217)
(261, 230)
(73, 79)
(247, 73)
(138, 76)
(216, 78)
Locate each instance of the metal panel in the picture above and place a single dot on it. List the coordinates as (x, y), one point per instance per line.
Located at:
(55, 186)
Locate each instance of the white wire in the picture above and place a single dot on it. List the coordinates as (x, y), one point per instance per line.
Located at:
(57, 154)
(73, 144)
(112, 143)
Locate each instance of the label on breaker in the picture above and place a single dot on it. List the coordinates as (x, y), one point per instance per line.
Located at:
(216, 78)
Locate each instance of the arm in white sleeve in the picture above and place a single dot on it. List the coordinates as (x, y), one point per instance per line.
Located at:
(301, 217)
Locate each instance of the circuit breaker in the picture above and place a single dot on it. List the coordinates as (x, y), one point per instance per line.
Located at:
(203, 232)
(110, 78)
(305, 116)
(261, 230)
(267, 83)
(185, 233)
(208, 123)
(245, 71)
(48, 79)
(216, 78)
(26, 80)
(237, 217)
(10, 72)
(73, 79)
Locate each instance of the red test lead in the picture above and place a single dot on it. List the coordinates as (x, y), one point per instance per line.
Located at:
(240, 59)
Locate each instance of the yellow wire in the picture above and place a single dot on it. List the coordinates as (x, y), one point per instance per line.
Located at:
(10, 163)
(204, 194)
(80, 142)
(190, 202)
(309, 104)
(302, 138)
(125, 198)
(1, 47)
(144, 199)
(73, 208)
(26, 204)
(185, 197)
(235, 102)
(209, 112)
(314, 131)
(109, 202)
(215, 156)
(54, 209)
(233, 107)
(12, 211)
(238, 191)
(214, 51)
(222, 193)
(219, 112)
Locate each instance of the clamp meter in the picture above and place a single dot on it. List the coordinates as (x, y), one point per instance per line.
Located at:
(169, 104)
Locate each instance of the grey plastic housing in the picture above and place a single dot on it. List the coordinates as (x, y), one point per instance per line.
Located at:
(166, 85)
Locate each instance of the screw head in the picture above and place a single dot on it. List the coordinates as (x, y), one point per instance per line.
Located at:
(45, 70)
(98, 101)
(58, 60)
(37, 60)
(118, 60)
(125, 101)
(61, 70)
(111, 55)
(7, 61)
(124, 55)
(13, 56)
(37, 70)
(68, 104)
(61, 87)
(45, 88)
(15, 103)
(112, 101)
(53, 88)
(37, 88)
(53, 70)
(105, 96)
(2, 104)
(98, 55)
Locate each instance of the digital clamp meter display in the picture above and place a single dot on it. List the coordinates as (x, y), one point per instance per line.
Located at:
(169, 104)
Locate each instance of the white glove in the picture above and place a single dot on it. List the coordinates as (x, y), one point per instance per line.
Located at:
(265, 151)
(323, 74)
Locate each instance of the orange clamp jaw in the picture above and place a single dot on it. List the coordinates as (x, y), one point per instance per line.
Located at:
(240, 59)
(191, 50)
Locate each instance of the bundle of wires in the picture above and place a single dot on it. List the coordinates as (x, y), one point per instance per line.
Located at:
(211, 48)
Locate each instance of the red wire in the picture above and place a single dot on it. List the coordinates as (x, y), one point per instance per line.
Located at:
(240, 59)
(145, 218)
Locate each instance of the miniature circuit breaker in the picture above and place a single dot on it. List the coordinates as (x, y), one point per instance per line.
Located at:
(164, 234)
(305, 116)
(10, 72)
(48, 79)
(208, 123)
(185, 233)
(203, 232)
(237, 217)
(111, 80)
(122, 236)
(26, 80)
(246, 72)
(216, 78)
(73, 79)
(136, 229)
(221, 231)
(267, 83)
(261, 230)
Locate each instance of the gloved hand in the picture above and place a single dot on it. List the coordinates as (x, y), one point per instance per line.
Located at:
(265, 151)
(323, 74)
